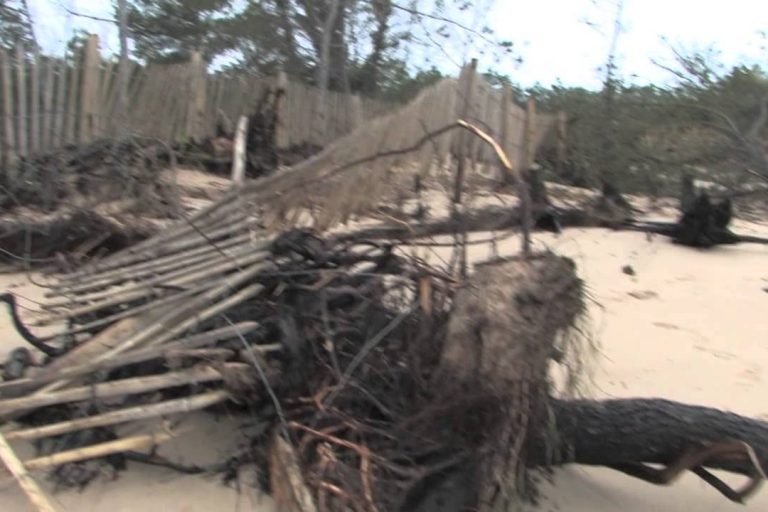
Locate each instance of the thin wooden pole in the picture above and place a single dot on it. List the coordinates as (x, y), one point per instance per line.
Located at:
(60, 110)
(529, 154)
(75, 75)
(21, 89)
(99, 450)
(34, 493)
(239, 151)
(34, 77)
(17, 387)
(461, 150)
(140, 412)
(283, 128)
(9, 141)
(48, 113)
(121, 387)
(196, 105)
(562, 141)
(506, 98)
(89, 91)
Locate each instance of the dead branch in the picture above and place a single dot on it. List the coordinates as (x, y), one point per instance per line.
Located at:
(34, 493)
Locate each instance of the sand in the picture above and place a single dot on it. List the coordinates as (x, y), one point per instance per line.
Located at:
(688, 326)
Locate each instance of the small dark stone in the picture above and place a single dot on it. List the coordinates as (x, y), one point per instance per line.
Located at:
(627, 269)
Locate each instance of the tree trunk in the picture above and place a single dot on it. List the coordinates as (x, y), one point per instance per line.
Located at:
(324, 58)
(614, 432)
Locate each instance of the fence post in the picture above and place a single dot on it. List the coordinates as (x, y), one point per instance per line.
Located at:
(50, 71)
(506, 97)
(21, 88)
(196, 106)
(465, 109)
(34, 75)
(357, 112)
(282, 128)
(562, 144)
(9, 141)
(71, 115)
(528, 156)
(89, 91)
(239, 151)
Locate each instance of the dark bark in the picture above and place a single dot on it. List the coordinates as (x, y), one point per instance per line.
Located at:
(615, 432)
(486, 219)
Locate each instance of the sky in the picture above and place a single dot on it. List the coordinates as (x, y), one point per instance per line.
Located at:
(557, 40)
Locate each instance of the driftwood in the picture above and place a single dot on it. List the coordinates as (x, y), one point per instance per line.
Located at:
(79, 233)
(613, 432)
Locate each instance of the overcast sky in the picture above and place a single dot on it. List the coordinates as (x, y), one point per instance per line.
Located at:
(556, 39)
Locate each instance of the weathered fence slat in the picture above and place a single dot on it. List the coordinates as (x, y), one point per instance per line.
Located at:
(9, 141)
(46, 137)
(21, 89)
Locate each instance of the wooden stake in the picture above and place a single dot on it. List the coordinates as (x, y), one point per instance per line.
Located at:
(120, 387)
(239, 151)
(506, 99)
(99, 450)
(9, 141)
(461, 150)
(16, 387)
(21, 89)
(562, 144)
(89, 104)
(140, 412)
(34, 493)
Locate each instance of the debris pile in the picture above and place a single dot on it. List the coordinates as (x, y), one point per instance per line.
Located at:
(337, 344)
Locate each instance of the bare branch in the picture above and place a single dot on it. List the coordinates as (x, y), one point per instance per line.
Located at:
(437, 17)
(86, 16)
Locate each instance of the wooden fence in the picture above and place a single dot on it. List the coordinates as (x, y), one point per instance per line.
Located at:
(46, 103)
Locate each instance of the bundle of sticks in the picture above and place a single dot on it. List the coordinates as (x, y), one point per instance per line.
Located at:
(213, 311)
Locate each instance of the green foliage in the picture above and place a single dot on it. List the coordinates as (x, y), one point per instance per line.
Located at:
(397, 83)
(15, 25)
(650, 135)
(168, 30)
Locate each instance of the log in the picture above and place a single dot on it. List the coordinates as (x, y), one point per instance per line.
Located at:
(652, 430)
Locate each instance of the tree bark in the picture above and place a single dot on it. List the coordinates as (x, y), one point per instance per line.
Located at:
(652, 430)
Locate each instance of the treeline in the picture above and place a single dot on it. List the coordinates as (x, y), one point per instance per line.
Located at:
(711, 123)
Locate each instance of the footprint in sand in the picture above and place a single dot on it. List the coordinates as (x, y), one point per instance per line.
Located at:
(643, 294)
(664, 325)
(751, 374)
(717, 353)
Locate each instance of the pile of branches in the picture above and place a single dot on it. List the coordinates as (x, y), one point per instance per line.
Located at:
(102, 171)
(338, 341)
(82, 201)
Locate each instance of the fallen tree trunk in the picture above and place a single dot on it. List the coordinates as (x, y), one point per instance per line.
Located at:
(653, 430)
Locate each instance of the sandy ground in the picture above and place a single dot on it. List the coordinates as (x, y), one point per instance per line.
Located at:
(688, 326)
